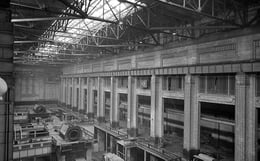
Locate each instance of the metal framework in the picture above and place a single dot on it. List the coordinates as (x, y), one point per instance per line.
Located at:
(106, 25)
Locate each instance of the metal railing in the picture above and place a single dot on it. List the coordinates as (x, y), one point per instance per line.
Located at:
(161, 152)
(116, 132)
(32, 149)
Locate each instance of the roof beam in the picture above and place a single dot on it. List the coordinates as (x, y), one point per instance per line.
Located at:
(197, 11)
(66, 3)
(52, 53)
(15, 20)
(193, 27)
(99, 46)
(42, 19)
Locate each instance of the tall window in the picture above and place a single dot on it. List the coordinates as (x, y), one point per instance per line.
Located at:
(122, 82)
(76, 80)
(94, 82)
(258, 85)
(217, 84)
(173, 83)
(85, 81)
(107, 82)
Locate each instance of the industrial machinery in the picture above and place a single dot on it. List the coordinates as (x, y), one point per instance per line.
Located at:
(39, 109)
(203, 157)
(21, 117)
(29, 131)
(111, 157)
(70, 132)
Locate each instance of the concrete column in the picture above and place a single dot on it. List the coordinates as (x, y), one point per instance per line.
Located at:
(72, 92)
(62, 91)
(245, 118)
(156, 107)
(101, 138)
(66, 91)
(251, 120)
(89, 153)
(128, 153)
(114, 114)
(240, 117)
(6, 72)
(81, 95)
(132, 111)
(90, 100)
(74, 95)
(100, 101)
(191, 144)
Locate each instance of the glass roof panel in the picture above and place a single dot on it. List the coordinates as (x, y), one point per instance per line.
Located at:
(80, 28)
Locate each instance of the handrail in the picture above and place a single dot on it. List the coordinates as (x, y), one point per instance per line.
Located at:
(159, 151)
(120, 133)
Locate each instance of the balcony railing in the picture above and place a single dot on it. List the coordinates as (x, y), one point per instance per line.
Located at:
(32, 149)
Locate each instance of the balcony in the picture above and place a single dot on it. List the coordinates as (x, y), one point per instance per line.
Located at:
(32, 149)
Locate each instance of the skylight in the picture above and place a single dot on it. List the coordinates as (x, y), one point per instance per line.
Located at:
(79, 28)
(111, 10)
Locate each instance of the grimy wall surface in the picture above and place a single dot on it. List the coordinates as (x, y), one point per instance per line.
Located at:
(36, 84)
(239, 50)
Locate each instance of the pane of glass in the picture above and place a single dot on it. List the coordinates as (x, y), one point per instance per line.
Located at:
(258, 86)
(222, 85)
(202, 84)
(232, 83)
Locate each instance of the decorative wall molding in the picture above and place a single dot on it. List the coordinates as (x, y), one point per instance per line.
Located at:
(175, 58)
(216, 48)
(217, 53)
(220, 56)
(145, 61)
(124, 64)
(96, 67)
(108, 66)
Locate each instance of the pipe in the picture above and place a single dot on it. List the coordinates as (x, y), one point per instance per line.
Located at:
(100, 46)
(60, 18)
(43, 19)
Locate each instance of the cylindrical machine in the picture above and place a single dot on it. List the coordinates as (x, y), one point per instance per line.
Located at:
(70, 132)
(39, 109)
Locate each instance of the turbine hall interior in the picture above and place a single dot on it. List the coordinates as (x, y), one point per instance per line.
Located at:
(129, 80)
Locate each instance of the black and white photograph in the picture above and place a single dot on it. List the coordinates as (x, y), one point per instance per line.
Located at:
(129, 80)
